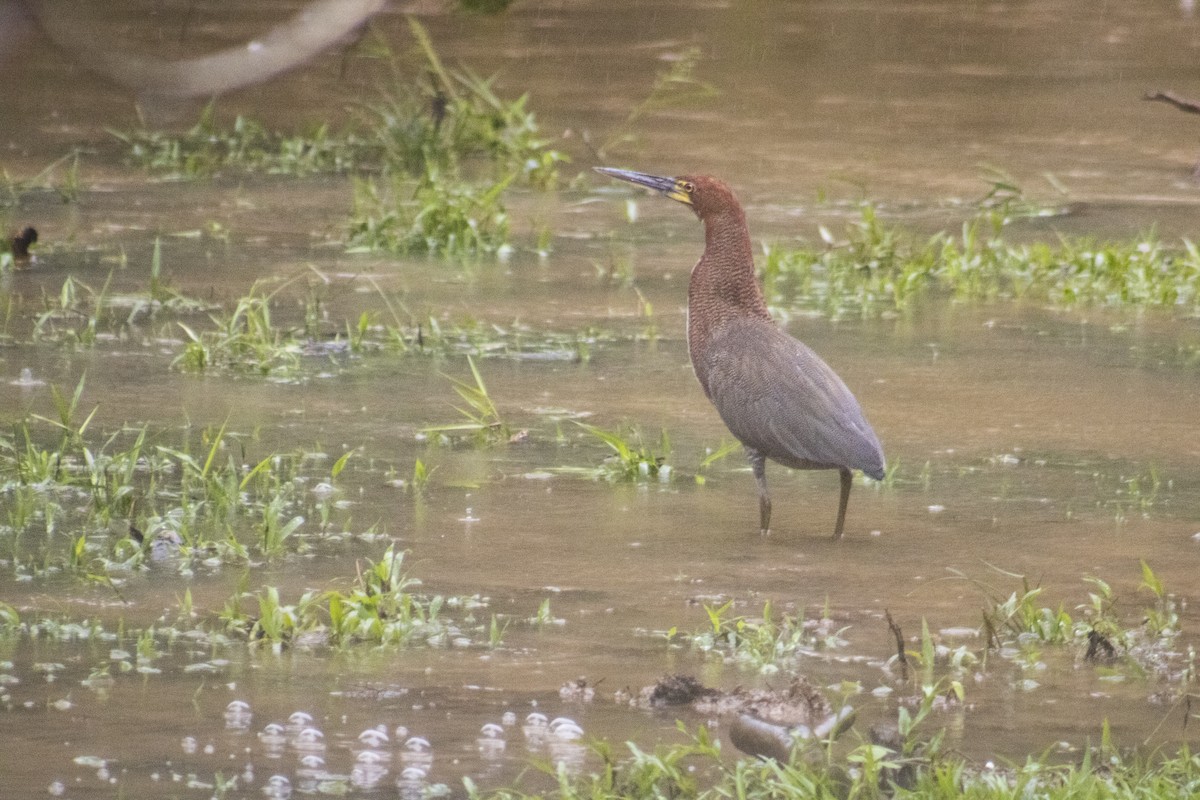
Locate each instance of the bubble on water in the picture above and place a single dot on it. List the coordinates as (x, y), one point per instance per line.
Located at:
(491, 740)
(273, 735)
(189, 744)
(509, 719)
(373, 737)
(238, 715)
(570, 755)
(536, 727)
(567, 730)
(299, 719)
(367, 776)
(312, 761)
(278, 787)
(309, 739)
(323, 490)
(370, 757)
(56, 788)
(414, 773)
(417, 744)
(400, 732)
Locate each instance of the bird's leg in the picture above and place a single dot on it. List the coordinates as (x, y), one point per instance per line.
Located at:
(847, 480)
(758, 463)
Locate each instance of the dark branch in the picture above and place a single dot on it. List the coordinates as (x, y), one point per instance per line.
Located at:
(900, 655)
(1170, 98)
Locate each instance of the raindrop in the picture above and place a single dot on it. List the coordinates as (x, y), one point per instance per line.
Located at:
(27, 379)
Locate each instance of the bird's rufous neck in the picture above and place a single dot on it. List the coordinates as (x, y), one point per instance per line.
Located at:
(722, 288)
(725, 275)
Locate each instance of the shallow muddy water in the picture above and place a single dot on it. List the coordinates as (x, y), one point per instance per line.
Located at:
(1052, 444)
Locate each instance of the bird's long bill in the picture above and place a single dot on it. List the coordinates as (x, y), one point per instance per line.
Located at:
(669, 186)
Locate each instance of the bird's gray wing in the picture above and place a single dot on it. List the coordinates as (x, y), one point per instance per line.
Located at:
(780, 398)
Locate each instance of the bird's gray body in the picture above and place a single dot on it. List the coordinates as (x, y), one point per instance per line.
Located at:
(782, 401)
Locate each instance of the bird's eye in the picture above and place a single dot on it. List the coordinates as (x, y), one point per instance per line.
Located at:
(689, 187)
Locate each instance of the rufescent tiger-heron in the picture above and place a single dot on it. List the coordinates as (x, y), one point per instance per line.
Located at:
(777, 396)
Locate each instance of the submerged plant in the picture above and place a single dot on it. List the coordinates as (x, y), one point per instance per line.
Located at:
(632, 460)
(483, 419)
(244, 340)
(766, 642)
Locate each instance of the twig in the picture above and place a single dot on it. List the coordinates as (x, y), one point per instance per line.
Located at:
(900, 655)
(1170, 98)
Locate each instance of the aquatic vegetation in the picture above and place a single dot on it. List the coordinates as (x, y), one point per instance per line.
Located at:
(78, 314)
(243, 340)
(483, 419)
(456, 117)
(379, 608)
(431, 214)
(1017, 625)
(206, 149)
(431, 160)
(764, 643)
(632, 459)
(101, 505)
(697, 768)
(877, 268)
(68, 187)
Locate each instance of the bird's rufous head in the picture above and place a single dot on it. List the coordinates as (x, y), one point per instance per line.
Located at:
(704, 194)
